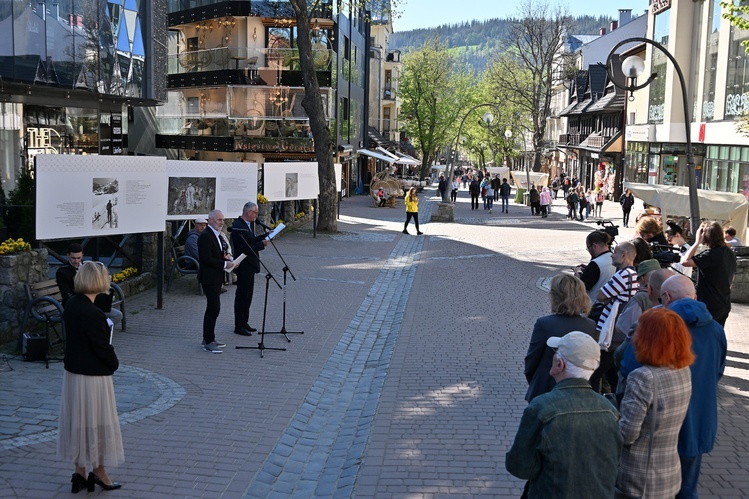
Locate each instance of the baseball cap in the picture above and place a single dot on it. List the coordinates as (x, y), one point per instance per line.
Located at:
(201, 220)
(647, 266)
(578, 348)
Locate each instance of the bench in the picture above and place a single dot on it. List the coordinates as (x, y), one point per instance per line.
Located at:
(184, 264)
(44, 304)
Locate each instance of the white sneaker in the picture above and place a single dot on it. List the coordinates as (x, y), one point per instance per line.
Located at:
(212, 347)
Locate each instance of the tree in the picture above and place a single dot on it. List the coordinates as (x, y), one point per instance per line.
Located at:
(529, 66)
(313, 105)
(435, 88)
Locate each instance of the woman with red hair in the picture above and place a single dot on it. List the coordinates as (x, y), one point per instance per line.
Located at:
(661, 388)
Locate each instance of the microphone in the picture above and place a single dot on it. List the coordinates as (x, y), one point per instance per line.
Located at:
(261, 224)
(232, 229)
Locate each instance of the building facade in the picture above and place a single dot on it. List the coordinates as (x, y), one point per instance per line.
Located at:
(71, 73)
(713, 61)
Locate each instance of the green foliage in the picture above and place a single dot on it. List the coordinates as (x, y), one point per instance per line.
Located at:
(21, 207)
(435, 87)
(481, 40)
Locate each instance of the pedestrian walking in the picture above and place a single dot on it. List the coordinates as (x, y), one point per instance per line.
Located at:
(600, 196)
(489, 196)
(627, 200)
(545, 197)
(504, 192)
(475, 190)
(412, 211)
(454, 190)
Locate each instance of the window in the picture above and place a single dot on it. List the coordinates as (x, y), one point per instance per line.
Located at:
(659, 62)
(711, 63)
(737, 81)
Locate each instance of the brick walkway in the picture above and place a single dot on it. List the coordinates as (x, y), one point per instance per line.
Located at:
(407, 381)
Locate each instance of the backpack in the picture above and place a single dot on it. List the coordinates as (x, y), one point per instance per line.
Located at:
(599, 197)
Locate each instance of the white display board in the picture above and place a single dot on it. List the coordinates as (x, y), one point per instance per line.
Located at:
(197, 187)
(292, 180)
(338, 176)
(88, 196)
(502, 171)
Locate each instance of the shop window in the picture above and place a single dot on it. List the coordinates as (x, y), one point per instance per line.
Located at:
(657, 96)
(737, 81)
(711, 62)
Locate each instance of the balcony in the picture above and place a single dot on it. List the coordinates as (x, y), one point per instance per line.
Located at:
(243, 66)
(388, 94)
(564, 139)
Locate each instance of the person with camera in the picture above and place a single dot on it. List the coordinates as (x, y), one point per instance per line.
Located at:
(650, 230)
(716, 267)
(600, 268)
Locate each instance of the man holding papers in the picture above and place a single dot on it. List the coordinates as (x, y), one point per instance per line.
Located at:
(244, 241)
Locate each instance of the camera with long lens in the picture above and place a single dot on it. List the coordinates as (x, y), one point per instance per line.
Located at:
(609, 228)
(665, 254)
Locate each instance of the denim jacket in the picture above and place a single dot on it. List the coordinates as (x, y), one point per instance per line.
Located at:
(568, 444)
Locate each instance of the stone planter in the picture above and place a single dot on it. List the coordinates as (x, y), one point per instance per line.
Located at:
(740, 288)
(15, 271)
(444, 213)
(137, 284)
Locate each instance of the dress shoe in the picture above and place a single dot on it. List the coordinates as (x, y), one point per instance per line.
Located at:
(97, 481)
(242, 332)
(78, 483)
(249, 328)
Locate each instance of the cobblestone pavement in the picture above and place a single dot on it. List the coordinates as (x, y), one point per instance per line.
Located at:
(407, 381)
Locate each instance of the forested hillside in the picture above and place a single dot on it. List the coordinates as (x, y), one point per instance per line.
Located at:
(478, 41)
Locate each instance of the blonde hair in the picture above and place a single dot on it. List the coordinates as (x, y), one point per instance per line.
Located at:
(412, 194)
(92, 278)
(568, 296)
(648, 225)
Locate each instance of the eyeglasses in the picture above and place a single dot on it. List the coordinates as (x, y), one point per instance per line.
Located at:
(660, 298)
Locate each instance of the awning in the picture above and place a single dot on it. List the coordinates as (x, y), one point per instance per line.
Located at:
(386, 152)
(377, 155)
(405, 159)
(615, 145)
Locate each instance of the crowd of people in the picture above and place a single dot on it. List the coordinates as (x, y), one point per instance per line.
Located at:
(623, 374)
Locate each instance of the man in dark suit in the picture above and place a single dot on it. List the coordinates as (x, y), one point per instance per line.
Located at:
(244, 240)
(214, 260)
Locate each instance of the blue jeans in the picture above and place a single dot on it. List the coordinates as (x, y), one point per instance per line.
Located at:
(690, 477)
(505, 202)
(489, 202)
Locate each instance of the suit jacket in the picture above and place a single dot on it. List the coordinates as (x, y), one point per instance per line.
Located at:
(211, 258)
(249, 244)
(87, 348)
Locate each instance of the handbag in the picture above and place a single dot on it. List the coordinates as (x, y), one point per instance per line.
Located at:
(607, 328)
(618, 494)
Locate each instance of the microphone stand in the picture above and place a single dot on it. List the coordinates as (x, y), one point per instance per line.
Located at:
(286, 270)
(268, 276)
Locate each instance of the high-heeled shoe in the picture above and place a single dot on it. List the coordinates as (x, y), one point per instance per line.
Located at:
(78, 483)
(95, 479)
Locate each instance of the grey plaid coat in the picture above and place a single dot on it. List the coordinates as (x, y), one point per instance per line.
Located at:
(663, 477)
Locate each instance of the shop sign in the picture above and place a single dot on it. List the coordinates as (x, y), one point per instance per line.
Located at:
(659, 6)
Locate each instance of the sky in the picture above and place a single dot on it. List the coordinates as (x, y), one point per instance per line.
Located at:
(416, 14)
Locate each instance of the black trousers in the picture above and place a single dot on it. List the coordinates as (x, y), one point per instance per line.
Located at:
(454, 195)
(243, 300)
(474, 201)
(212, 309)
(409, 216)
(625, 216)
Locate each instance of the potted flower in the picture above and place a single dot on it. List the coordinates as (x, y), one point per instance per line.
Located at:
(263, 209)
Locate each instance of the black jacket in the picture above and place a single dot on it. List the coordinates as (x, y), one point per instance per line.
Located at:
(247, 243)
(87, 348)
(211, 258)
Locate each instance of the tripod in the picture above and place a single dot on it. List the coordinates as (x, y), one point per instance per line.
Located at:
(268, 276)
(286, 270)
(261, 346)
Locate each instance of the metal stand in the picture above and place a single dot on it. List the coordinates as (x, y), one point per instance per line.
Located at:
(261, 346)
(268, 276)
(286, 270)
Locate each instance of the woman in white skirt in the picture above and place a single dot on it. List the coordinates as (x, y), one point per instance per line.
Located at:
(89, 428)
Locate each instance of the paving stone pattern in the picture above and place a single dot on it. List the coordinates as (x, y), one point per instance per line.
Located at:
(407, 381)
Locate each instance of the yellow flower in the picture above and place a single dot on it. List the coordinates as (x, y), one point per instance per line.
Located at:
(261, 199)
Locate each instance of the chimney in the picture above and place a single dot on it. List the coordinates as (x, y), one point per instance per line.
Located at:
(613, 26)
(625, 16)
(602, 31)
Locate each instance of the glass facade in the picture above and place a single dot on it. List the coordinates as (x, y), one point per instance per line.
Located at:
(657, 97)
(737, 79)
(95, 45)
(727, 169)
(711, 63)
(636, 169)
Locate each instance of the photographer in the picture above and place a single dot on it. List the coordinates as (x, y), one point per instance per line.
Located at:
(650, 230)
(675, 237)
(716, 268)
(600, 268)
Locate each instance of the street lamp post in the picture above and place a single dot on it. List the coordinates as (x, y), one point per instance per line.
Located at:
(633, 67)
(450, 167)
